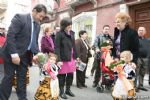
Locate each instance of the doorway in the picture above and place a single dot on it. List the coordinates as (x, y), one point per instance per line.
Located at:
(140, 15)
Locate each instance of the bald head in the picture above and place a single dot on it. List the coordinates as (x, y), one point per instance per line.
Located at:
(141, 31)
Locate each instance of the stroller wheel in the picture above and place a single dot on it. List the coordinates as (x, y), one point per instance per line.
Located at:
(109, 88)
(100, 88)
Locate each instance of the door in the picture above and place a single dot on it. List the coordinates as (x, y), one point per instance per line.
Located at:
(140, 15)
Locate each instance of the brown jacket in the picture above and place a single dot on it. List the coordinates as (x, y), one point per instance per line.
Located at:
(82, 50)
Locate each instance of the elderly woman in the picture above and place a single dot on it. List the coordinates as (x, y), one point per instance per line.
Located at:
(66, 52)
(47, 45)
(125, 38)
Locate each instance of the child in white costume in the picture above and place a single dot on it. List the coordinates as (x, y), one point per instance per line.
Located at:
(124, 86)
(49, 87)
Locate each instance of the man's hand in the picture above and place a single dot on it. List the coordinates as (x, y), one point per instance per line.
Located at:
(16, 60)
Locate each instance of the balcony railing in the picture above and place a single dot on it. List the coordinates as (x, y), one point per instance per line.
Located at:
(76, 2)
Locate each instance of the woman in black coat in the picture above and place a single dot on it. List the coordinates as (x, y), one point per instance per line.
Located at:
(125, 38)
(66, 52)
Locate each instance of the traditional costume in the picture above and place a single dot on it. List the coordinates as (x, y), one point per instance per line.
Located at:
(124, 85)
(49, 87)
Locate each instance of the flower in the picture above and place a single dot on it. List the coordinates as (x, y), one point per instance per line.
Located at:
(114, 64)
(106, 43)
(42, 58)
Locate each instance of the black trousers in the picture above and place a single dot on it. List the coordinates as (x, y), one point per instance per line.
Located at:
(97, 71)
(80, 77)
(65, 79)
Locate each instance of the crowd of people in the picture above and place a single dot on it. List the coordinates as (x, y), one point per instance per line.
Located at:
(67, 55)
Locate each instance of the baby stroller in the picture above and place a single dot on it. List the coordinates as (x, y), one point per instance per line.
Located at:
(107, 76)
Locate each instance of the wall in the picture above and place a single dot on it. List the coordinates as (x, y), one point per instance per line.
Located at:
(107, 2)
(15, 6)
(62, 6)
(106, 12)
(106, 16)
(82, 8)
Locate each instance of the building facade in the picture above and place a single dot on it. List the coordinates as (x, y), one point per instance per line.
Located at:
(9, 8)
(91, 15)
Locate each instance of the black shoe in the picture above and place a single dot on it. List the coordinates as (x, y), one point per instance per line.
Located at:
(86, 77)
(94, 85)
(136, 89)
(85, 86)
(63, 96)
(142, 88)
(80, 87)
(68, 92)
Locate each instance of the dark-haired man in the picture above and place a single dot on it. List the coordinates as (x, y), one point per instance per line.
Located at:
(100, 38)
(20, 47)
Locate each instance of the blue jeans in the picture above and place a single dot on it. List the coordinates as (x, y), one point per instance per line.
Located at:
(1, 72)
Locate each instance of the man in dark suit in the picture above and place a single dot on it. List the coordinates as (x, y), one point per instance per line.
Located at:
(20, 47)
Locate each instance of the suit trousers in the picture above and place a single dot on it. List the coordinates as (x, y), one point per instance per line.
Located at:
(97, 75)
(6, 85)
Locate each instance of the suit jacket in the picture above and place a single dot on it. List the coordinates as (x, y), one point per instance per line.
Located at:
(19, 36)
(82, 50)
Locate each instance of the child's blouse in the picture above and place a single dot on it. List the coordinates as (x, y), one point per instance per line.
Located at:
(52, 68)
(129, 70)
